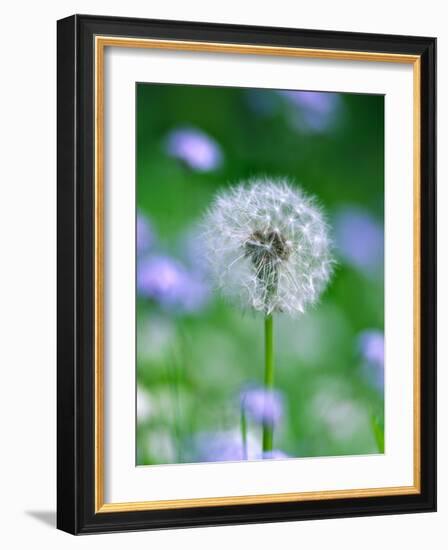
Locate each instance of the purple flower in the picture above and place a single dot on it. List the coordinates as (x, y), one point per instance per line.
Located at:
(170, 284)
(275, 454)
(317, 111)
(263, 406)
(360, 239)
(225, 446)
(371, 345)
(198, 150)
(144, 234)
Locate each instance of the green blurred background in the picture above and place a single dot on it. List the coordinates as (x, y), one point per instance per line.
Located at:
(195, 352)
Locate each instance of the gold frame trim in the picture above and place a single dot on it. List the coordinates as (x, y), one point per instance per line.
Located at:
(101, 42)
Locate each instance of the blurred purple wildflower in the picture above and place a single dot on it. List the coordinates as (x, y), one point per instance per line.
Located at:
(360, 239)
(145, 235)
(275, 454)
(263, 406)
(192, 146)
(317, 111)
(225, 445)
(191, 250)
(371, 346)
(170, 284)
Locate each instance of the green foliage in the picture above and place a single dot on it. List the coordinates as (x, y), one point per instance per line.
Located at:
(378, 430)
(191, 367)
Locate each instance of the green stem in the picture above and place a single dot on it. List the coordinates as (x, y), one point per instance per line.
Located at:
(268, 433)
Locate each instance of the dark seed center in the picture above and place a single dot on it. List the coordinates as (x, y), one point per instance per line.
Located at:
(267, 246)
(266, 249)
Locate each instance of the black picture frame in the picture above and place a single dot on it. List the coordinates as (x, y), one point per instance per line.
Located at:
(76, 255)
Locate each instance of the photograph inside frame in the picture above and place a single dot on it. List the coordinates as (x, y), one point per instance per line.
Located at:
(259, 274)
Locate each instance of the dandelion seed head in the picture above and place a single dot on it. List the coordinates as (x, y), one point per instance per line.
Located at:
(268, 246)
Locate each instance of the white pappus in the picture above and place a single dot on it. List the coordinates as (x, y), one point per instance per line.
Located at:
(268, 246)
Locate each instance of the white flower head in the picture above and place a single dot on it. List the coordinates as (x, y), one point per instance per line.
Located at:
(268, 246)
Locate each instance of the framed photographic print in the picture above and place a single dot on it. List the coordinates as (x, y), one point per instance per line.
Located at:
(246, 274)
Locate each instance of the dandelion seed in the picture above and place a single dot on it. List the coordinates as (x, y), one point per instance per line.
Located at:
(268, 246)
